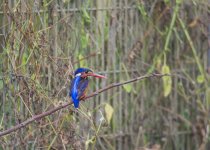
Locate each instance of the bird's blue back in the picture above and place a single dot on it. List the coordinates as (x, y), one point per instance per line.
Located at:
(77, 89)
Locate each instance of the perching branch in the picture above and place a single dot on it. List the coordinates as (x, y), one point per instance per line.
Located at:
(47, 113)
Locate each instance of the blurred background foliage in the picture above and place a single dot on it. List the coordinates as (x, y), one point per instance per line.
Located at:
(43, 41)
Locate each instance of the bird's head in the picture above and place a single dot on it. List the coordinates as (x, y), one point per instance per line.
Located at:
(85, 72)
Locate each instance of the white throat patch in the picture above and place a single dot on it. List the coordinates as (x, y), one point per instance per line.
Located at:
(77, 75)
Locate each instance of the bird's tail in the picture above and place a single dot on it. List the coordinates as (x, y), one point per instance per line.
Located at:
(76, 103)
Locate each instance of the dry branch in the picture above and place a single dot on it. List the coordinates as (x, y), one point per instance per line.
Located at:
(47, 113)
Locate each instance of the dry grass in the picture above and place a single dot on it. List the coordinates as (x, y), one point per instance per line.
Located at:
(42, 42)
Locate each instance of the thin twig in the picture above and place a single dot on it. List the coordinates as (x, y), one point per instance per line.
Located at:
(49, 112)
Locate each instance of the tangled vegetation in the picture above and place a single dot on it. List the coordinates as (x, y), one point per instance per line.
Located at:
(43, 41)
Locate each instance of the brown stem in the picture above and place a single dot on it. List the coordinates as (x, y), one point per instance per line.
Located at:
(47, 113)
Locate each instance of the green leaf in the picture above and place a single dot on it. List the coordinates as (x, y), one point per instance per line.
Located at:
(109, 112)
(127, 88)
(167, 1)
(178, 1)
(33, 76)
(84, 39)
(81, 61)
(158, 63)
(200, 79)
(167, 81)
(86, 15)
(24, 58)
(142, 10)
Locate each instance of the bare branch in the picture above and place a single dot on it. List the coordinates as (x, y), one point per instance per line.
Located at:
(47, 113)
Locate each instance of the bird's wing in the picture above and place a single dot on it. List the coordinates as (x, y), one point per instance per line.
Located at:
(71, 86)
(82, 86)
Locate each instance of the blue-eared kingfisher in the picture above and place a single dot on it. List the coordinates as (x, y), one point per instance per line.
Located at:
(79, 84)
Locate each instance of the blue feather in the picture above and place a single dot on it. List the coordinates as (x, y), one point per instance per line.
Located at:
(77, 89)
(79, 70)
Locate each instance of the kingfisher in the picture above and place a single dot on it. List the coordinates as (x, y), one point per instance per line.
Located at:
(79, 84)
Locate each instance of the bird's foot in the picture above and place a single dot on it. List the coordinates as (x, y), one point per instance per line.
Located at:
(82, 97)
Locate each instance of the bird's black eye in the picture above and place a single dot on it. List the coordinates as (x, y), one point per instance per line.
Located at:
(86, 71)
